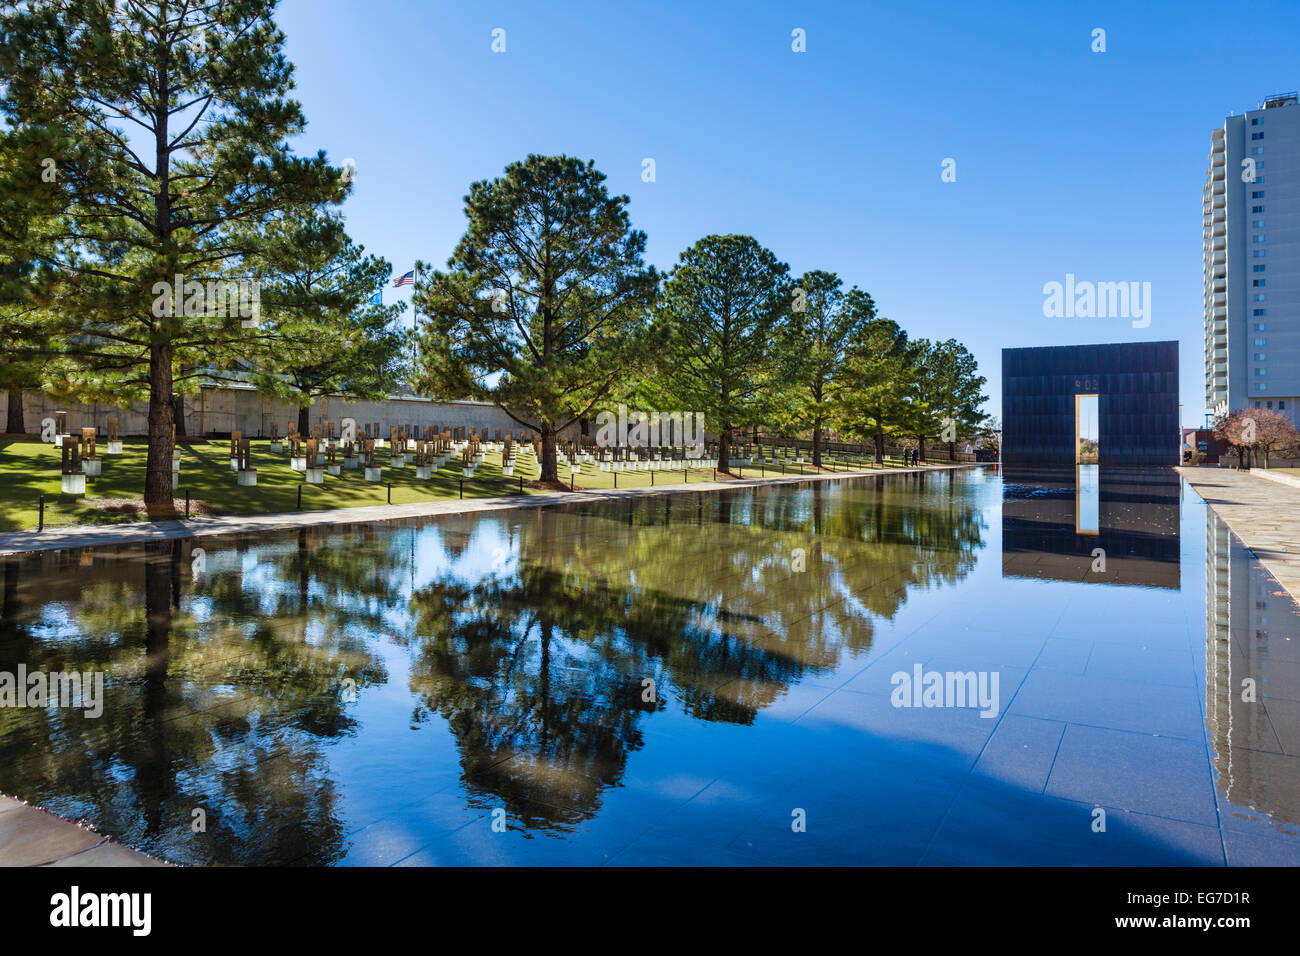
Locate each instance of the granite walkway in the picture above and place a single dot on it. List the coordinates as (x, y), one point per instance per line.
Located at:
(83, 536)
(1264, 514)
(32, 837)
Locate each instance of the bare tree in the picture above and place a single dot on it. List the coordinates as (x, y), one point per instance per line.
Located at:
(1253, 431)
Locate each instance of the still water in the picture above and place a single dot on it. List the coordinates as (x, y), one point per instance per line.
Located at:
(686, 679)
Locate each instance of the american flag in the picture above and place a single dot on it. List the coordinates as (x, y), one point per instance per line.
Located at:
(408, 279)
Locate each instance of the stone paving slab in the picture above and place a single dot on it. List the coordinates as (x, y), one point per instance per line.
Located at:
(83, 536)
(32, 837)
(1264, 514)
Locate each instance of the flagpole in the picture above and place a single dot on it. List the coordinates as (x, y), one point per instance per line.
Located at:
(415, 318)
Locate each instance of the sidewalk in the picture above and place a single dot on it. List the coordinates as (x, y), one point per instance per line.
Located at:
(32, 837)
(16, 542)
(1264, 514)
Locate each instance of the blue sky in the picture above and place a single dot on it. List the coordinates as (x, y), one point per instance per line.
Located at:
(1067, 161)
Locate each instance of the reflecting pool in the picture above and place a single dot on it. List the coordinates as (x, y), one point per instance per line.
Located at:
(943, 668)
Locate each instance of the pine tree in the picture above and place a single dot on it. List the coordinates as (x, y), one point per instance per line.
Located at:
(954, 390)
(724, 309)
(544, 308)
(825, 322)
(873, 398)
(330, 339)
(182, 157)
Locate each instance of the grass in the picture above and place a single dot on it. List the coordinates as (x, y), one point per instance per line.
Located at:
(29, 469)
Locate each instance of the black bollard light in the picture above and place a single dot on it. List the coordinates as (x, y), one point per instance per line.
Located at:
(300, 497)
(41, 525)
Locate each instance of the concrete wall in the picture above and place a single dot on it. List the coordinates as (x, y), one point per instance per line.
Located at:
(131, 420)
(223, 410)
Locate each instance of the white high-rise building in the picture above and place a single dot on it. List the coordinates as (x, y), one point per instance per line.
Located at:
(1252, 260)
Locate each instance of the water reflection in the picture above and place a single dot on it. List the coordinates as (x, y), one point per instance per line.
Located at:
(1252, 692)
(234, 669)
(1054, 520)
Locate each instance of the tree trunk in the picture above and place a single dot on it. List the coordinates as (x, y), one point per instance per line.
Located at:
(920, 448)
(158, 500)
(880, 448)
(724, 449)
(550, 470)
(817, 447)
(158, 465)
(14, 418)
(304, 420)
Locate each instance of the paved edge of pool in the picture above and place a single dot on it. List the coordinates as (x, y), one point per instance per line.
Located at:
(30, 836)
(18, 542)
(1265, 515)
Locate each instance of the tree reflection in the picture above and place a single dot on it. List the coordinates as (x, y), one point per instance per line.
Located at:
(227, 671)
(209, 704)
(539, 672)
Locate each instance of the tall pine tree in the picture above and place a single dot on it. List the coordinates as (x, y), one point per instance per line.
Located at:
(825, 323)
(724, 310)
(182, 158)
(544, 308)
(330, 339)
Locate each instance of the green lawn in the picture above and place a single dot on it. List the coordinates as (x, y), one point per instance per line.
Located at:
(29, 469)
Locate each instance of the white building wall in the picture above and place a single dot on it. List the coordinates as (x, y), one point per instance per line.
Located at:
(1252, 313)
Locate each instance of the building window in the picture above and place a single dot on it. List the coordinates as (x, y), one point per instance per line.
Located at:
(1257, 150)
(1259, 238)
(1260, 298)
(1257, 194)
(1281, 406)
(1261, 357)
(1257, 268)
(1257, 224)
(1259, 283)
(1259, 326)
(1258, 312)
(1258, 253)
(1256, 135)
(1261, 341)
(1261, 372)
(1257, 121)
(1268, 404)
(1260, 387)
(1256, 208)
